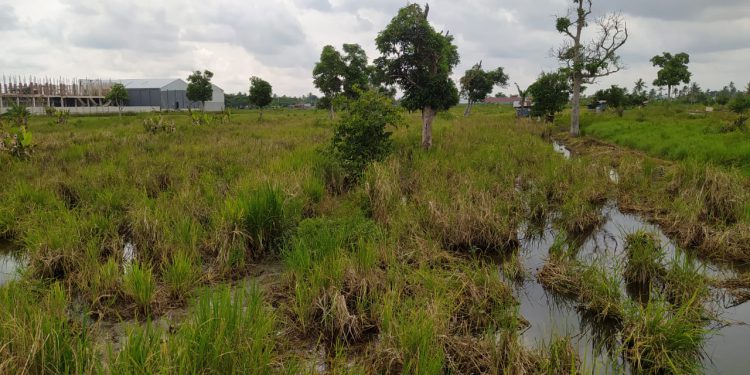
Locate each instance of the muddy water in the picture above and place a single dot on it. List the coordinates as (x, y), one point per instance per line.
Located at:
(551, 316)
(9, 262)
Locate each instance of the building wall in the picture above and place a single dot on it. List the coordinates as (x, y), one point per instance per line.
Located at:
(174, 99)
(144, 97)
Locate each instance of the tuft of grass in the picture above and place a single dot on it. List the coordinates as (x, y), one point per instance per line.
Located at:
(141, 353)
(227, 333)
(139, 284)
(658, 339)
(262, 219)
(180, 275)
(644, 259)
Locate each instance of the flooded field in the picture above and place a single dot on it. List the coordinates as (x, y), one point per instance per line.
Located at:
(552, 315)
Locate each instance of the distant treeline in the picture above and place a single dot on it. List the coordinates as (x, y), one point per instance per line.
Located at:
(241, 100)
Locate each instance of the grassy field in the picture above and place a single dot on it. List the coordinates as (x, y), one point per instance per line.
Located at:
(676, 132)
(249, 255)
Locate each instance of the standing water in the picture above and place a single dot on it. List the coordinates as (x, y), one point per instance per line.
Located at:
(9, 262)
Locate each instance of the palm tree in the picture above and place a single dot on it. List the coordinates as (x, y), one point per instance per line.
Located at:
(640, 86)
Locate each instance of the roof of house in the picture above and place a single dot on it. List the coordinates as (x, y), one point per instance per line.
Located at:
(150, 83)
(502, 100)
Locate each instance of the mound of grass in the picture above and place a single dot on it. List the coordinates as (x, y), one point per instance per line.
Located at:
(139, 285)
(644, 258)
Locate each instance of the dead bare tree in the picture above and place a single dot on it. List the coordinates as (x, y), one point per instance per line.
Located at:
(586, 62)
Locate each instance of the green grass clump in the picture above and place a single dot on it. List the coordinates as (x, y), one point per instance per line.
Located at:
(262, 217)
(139, 284)
(227, 333)
(180, 275)
(37, 335)
(141, 353)
(659, 339)
(644, 258)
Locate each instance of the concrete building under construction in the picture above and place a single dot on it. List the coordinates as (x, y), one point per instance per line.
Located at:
(88, 95)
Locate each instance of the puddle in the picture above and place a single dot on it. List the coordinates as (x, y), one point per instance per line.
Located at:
(9, 262)
(128, 255)
(561, 149)
(550, 316)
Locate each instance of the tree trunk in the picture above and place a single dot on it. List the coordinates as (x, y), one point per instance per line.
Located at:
(468, 109)
(575, 112)
(669, 92)
(428, 115)
(261, 114)
(331, 112)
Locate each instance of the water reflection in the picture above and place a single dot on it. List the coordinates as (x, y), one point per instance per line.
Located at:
(9, 262)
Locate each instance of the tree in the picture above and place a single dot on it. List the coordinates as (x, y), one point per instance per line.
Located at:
(476, 84)
(420, 60)
(117, 95)
(327, 74)
(587, 62)
(616, 98)
(260, 94)
(360, 137)
(356, 74)
(550, 93)
(199, 87)
(673, 70)
(640, 87)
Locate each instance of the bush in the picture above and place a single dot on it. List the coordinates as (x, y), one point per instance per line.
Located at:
(360, 137)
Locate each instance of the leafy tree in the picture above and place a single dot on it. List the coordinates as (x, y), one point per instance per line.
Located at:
(420, 60)
(724, 96)
(673, 70)
(327, 74)
(587, 62)
(356, 75)
(550, 93)
(747, 90)
(476, 84)
(360, 137)
(117, 95)
(616, 98)
(260, 94)
(501, 95)
(199, 87)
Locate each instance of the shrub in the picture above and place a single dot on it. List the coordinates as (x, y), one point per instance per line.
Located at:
(360, 137)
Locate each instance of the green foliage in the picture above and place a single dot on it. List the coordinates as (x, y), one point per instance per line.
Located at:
(550, 93)
(673, 70)
(476, 83)
(262, 217)
(360, 137)
(180, 275)
(62, 116)
(200, 118)
(139, 284)
(260, 93)
(356, 75)
(141, 353)
(228, 333)
(199, 87)
(117, 95)
(18, 143)
(419, 59)
(18, 114)
(327, 73)
(616, 97)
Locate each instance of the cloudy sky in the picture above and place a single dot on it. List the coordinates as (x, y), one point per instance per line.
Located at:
(280, 40)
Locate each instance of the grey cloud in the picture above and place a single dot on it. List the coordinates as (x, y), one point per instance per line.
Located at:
(8, 20)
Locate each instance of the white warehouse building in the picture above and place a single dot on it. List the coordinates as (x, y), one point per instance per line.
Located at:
(167, 94)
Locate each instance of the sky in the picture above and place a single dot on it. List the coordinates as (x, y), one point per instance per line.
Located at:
(280, 40)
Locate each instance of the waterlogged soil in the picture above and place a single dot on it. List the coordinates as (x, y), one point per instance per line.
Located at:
(555, 316)
(10, 263)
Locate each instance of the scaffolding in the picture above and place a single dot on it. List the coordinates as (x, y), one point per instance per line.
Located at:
(35, 92)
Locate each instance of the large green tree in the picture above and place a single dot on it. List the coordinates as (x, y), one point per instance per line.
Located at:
(261, 94)
(588, 61)
(550, 93)
(476, 84)
(674, 70)
(327, 75)
(199, 87)
(420, 60)
(356, 75)
(118, 96)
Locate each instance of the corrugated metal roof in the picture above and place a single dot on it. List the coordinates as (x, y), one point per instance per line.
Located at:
(156, 83)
